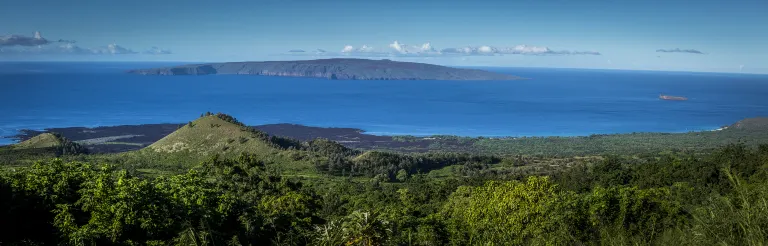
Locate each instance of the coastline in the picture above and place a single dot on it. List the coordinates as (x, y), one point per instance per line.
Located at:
(121, 138)
(306, 132)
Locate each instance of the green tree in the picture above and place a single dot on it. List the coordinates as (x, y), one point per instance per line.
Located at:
(402, 175)
(507, 213)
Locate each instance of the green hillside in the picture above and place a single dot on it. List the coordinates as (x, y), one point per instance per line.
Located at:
(216, 181)
(45, 140)
(213, 135)
(216, 136)
(46, 145)
(54, 142)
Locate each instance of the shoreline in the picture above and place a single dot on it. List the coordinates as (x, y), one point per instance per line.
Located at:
(121, 138)
(750, 131)
(285, 129)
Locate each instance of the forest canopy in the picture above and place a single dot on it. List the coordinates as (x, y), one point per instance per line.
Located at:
(716, 199)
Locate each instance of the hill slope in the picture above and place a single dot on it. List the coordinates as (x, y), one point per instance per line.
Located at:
(45, 145)
(45, 140)
(338, 68)
(51, 141)
(223, 136)
(211, 135)
(757, 123)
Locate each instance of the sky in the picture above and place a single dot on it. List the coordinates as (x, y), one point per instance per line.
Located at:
(672, 35)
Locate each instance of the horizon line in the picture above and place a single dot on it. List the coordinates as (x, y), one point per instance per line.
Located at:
(457, 66)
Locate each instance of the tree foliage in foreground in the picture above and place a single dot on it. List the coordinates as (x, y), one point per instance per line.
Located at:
(718, 199)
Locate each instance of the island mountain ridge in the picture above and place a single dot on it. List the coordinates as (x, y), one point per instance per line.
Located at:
(335, 69)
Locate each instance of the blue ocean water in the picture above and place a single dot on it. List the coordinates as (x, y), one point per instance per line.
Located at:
(562, 102)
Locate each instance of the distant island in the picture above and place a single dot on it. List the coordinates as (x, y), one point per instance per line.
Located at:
(336, 69)
(672, 98)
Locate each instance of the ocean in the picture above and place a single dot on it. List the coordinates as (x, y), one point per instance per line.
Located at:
(553, 102)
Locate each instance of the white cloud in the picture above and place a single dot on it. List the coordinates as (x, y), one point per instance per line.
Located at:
(516, 50)
(397, 46)
(525, 49)
(487, 50)
(427, 47)
(72, 49)
(427, 50)
(469, 50)
(462, 50)
(158, 51)
(21, 40)
(20, 44)
(113, 49)
(365, 48)
(47, 49)
(404, 49)
(348, 49)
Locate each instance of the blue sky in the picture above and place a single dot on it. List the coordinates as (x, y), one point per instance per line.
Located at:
(627, 33)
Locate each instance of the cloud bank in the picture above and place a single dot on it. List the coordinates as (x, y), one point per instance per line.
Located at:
(678, 50)
(424, 49)
(21, 40)
(400, 49)
(37, 45)
(25, 41)
(72, 49)
(113, 49)
(516, 50)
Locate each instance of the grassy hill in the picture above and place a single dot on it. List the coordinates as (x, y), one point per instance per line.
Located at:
(52, 141)
(758, 123)
(212, 134)
(45, 145)
(45, 140)
(217, 135)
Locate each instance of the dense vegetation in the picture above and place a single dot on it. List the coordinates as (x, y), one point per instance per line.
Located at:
(751, 132)
(676, 199)
(632, 143)
(216, 181)
(599, 144)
